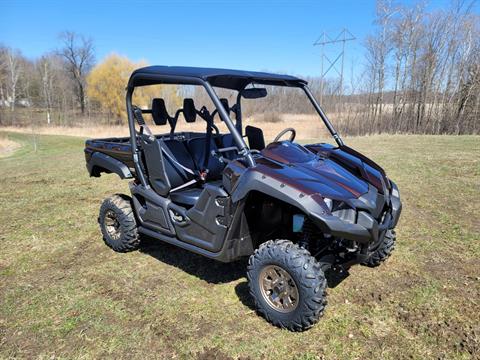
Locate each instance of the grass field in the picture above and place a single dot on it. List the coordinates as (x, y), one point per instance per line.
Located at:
(64, 294)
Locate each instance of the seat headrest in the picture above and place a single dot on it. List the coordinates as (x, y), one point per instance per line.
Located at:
(189, 111)
(225, 104)
(256, 141)
(159, 112)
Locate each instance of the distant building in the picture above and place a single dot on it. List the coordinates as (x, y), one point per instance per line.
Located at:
(7, 102)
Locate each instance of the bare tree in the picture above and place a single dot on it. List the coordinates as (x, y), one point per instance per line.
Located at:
(79, 57)
(47, 76)
(3, 76)
(434, 74)
(11, 61)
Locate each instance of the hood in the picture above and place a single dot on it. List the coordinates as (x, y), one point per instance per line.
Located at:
(309, 173)
(356, 163)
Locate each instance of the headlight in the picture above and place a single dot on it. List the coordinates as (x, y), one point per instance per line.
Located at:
(395, 192)
(329, 203)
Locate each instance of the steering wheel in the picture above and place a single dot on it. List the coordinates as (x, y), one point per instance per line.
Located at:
(283, 132)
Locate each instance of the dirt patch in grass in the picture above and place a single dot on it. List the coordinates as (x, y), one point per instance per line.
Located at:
(212, 354)
(456, 336)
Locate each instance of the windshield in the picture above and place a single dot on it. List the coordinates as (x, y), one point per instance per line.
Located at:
(285, 107)
(271, 109)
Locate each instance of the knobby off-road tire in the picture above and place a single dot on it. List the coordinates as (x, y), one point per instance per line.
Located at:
(383, 251)
(287, 261)
(118, 224)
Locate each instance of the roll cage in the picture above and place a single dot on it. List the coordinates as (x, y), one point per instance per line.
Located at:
(209, 78)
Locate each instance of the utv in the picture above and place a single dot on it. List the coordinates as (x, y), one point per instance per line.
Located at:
(298, 211)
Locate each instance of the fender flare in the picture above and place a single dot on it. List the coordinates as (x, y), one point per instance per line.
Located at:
(310, 205)
(256, 181)
(100, 162)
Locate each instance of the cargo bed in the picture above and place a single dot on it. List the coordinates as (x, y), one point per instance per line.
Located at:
(114, 154)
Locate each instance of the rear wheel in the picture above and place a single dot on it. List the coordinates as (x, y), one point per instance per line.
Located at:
(118, 224)
(287, 284)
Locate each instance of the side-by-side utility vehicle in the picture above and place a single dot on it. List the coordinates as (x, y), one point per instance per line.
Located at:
(298, 211)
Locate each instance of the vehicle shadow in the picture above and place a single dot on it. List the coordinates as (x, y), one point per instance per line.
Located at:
(211, 271)
(243, 293)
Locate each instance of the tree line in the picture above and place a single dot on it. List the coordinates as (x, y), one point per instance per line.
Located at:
(54, 83)
(421, 74)
(423, 69)
(65, 86)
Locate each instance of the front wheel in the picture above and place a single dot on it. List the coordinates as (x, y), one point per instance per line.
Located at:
(383, 250)
(287, 284)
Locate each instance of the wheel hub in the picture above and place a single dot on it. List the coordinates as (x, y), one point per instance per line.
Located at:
(112, 225)
(278, 288)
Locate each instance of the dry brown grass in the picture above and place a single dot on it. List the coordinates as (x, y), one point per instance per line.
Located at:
(7, 146)
(307, 127)
(80, 131)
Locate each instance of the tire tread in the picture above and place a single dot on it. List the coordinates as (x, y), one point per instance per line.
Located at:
(121, 204)
(384, 250)
(307, 274)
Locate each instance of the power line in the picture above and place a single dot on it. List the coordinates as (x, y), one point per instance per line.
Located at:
(325, 39)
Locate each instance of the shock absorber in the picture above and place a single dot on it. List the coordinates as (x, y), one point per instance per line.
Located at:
(307, 239)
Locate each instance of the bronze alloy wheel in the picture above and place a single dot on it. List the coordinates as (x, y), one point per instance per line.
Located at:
(278, 288)
(112, 225)
(287, 284)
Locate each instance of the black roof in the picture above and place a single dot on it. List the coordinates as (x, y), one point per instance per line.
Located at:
(225, 78)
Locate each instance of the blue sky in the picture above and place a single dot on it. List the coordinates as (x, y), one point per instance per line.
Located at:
(254, 35)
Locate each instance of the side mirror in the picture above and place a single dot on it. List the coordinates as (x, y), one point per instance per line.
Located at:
(254, 93)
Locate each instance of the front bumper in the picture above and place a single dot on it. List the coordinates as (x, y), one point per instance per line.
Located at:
(366, 229)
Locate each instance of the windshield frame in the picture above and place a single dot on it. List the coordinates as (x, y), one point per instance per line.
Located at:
(235, 129)
(313, 101)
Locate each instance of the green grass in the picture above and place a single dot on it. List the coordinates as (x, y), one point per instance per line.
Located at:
(64, 294)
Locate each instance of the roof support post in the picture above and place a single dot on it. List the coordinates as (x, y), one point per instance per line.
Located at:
(324, 117)
(133, 137)
(244, 150)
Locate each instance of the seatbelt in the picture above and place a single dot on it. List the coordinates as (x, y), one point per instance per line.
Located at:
(144, 129)
(172, 159)
(173, 125)
(191, 182)
(202, 174)
(208, 137)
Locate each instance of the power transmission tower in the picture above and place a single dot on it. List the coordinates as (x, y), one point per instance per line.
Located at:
(325, 39)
